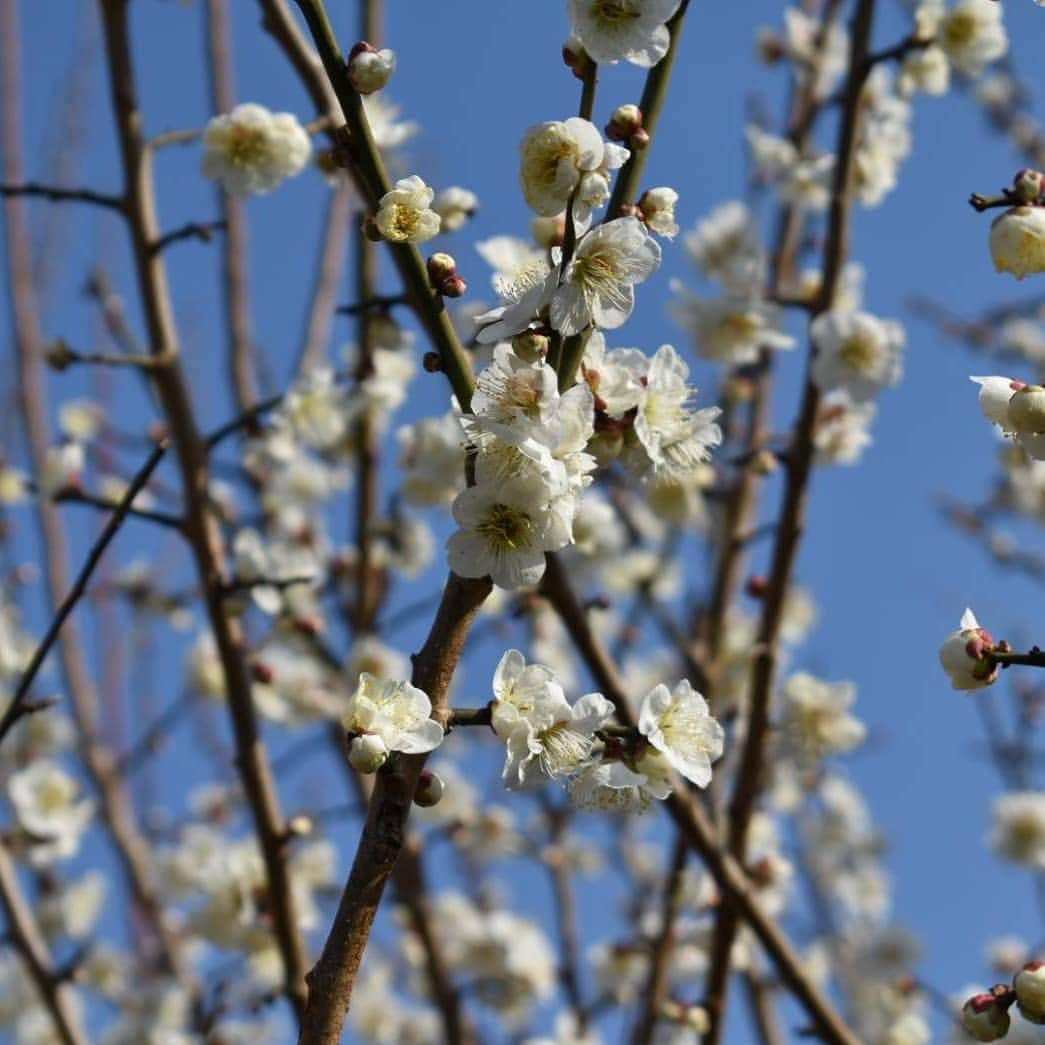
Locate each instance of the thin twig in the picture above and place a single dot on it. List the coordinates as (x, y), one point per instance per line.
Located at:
(58, 194)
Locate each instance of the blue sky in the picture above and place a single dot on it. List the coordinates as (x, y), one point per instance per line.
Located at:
(890, 578)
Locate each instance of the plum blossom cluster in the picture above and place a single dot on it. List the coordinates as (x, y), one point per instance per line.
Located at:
(547, 738)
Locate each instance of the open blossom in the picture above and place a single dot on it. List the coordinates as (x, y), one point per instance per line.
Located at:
(964, 655)
(658, 211)
(397, 714)
(609, 787)
(455, 206)
(856, 351)
(971, 34)
(505, 529)
(47, 805)
(405, 215)
(1019, 828)
(1018, 241)
(555, 156)
(631, 29)
(678, 724)
(251, 150)
(726, 247)
(842, 428)
(815, 719)
(599, 281)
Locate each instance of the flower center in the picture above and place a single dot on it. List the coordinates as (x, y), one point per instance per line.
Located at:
(406, 221)
(959, 29)
(564, 748)
(246, 146)
(505, 527)
(615, 12)
(860, 353)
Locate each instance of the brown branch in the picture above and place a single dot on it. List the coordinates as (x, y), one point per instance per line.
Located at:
(689, 817)
(24, 933)
(117, 808)
(15, 710)
(792, 523)
(199, 230)
(201, 528)
(57, 194)
(333, 977)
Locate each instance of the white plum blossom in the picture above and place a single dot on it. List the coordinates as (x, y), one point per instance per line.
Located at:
(856, 351)
(609, 787)
(1018, 241)
(658, 211)
(395, 712)
(251, 150)
(964, 655)
(924, 70)
(455, 206)
(634, 30)
(678, 724)
(62, 468)
(1019, 828)
(387, 130)
(431, 457)
(598, 285)
(842, 428)
(731, 329)
(726, 247)
(802, 180)
(826, 57)
(971, 34)
(405, 215)
(370, 69)
(505, 530)
(815, 720)
(555, 156)
(48, 806)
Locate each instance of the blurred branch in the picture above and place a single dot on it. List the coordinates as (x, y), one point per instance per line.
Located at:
(200, 230)
(57, 194)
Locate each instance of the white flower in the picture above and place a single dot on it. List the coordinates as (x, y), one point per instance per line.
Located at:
(397, 712)
(251, 150)
(404, 214)
(964, 655)
(519, 689)
(555, 155)
(971, 34)
(678, 724)
(802, 180)
(505, 530)
(523, 280)
(1018, 241)
(1019, 828)
(367, 753)
(925, 69)
(80, 419)
(315, 409)
(388, 131)
(555, 740)
(431, 455)
(599, 281)
(48, 806)
(455, 206)
(63, 465)
(674, 437)
(609, 787)
(816, 720)
(726, 247)
(370, 69)
(817, 49)
(856, 351)
(658, 211)
(732, 329)
(610, 30)
(841, 434)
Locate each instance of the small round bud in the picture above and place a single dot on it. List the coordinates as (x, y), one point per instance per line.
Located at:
(1027, 410)
(430, 788)
(1029, 984)
(574, 56)
(625, 121)
(300, 826)
(657, 210)
(370, 69)
(639, 140)
(769, 47)
(1018, 241)
(439, 267)
(159, 431)
(59, 355)
(367, 753)
(432, 362)
(452, 287)
(531, 345)
(757, 585)
(1028, 184)
(262, 672)
(765, 462)
(986, 1016)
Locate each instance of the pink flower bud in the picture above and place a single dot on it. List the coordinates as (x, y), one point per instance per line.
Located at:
(430, 789)
(986, 1016)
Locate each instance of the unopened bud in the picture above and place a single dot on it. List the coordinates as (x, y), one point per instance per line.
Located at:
(765, 462)
(300, 826)
(367, 753)
(769, 47)
(370, 69)
(1027, 410)
(657, 210)
(1028, 184)
(439, 267)
(59, 355)
(574, 56)
(1029, 984)
(757, 585)
(432, 362)
(625, 121)
(262, 672)
(453, 287)
(430, 788)
(639, 140)
(531, 345)
(986, 1016)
